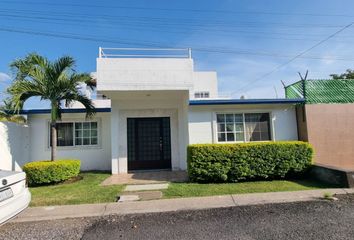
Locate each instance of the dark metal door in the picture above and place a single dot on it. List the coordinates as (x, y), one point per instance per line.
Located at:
(149, 143)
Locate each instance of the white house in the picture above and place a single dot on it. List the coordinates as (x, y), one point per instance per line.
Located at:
(156, 105)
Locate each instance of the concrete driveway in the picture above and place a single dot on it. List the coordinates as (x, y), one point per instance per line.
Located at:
(302, 220)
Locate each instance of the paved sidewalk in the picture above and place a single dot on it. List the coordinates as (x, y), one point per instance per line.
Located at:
(168, 205)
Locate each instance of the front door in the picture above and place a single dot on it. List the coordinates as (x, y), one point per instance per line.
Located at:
(149, 143)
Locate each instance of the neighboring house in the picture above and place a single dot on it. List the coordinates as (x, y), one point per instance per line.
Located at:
(157, 105)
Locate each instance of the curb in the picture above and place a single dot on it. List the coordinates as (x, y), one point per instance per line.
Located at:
(170, 205)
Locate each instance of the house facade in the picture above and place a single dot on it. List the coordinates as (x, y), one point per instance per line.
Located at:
(154, 104)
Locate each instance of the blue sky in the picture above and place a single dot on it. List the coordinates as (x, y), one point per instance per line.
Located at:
(241, 40)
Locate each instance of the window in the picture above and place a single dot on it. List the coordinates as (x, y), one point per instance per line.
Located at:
(257, 127)
(243, 127)
(76, 134)
(86, 133)
(201, 95)
(65, 134)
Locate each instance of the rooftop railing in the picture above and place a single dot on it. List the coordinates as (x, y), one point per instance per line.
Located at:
(145, 53)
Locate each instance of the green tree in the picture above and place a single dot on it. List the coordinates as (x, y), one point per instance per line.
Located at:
(349, 74)
(7, 113)
(54, 81)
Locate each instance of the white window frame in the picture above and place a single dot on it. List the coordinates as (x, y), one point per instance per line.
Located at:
(215, 127)
(82, 137)
(74, 146)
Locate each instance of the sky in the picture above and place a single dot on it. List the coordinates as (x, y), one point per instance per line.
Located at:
(252, 45)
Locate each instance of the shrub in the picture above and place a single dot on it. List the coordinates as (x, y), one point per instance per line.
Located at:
(246, 161)
(46, 172)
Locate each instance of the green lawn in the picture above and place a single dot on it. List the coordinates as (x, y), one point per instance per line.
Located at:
(196, 190)
(87, 190)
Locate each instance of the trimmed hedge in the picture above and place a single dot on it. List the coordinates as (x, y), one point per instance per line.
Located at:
(46, 172)
(247, 161)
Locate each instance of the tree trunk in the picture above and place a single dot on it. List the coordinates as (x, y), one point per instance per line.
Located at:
(53, 129)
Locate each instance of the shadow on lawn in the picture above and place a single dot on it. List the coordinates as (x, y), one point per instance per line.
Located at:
(311, 182)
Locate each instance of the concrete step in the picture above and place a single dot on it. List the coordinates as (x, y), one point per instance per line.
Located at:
(145, 187)
(150, 195)
(136, 196)
(128, 198)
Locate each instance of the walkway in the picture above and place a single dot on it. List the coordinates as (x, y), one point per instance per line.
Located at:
(146, 177)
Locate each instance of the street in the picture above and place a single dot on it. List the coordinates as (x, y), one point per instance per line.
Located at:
(320, 219)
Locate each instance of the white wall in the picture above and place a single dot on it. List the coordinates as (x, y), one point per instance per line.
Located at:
(92, 157)
(98, 103)
(14, 146)
(285, 126)
(205, 82)
(144, 74)
(202, 121)
(171, 104)
(193, 124)
(200, 126)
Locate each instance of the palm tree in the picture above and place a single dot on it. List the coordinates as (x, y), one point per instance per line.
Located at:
(7, 114)
(57, 82)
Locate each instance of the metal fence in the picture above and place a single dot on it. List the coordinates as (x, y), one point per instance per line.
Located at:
(322, 91)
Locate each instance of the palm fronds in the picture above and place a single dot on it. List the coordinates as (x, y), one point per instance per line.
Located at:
(56, 82)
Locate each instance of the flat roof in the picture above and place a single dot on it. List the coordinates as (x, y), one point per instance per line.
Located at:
(191, 103)
(246, 101)
(67, 110)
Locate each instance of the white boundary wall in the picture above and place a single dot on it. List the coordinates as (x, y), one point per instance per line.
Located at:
(14, 146)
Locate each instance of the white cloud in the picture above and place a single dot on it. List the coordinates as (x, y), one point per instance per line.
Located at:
(4, 77)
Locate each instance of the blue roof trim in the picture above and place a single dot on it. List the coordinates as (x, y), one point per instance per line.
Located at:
(191, 103)
(245, 101)
(71, 110)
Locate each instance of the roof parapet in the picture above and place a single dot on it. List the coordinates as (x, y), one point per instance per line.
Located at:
(145, 53)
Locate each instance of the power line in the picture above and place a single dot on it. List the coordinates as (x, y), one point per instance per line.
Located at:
(265, 54)
(155, 29)
(293, 58)
(139, 26)
(176, 30)
(221, 11)
(159, 44)
(164, 23)
(76, 37)
(41, 14)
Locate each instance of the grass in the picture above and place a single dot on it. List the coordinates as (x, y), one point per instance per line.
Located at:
(327, 195)
(198, 190)
(87, 190)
